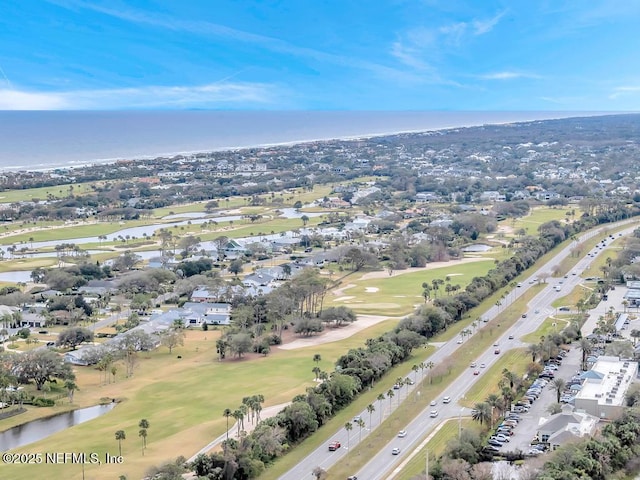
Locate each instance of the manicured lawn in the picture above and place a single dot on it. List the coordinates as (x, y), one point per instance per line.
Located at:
(183, 400)
(515, 360)
(540, 215)
(30, 194)
(545, 329)
(580, 291)
(436, 446)
(26, 264)
(401, 294)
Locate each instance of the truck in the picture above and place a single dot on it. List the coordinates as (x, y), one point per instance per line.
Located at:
(333, 446)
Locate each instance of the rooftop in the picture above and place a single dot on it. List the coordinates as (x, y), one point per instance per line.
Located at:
(611, 388)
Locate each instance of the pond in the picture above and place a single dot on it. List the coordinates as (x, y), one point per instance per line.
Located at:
(477, 247)
(38, 429)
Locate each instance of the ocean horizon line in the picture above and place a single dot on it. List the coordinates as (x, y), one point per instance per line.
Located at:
(437, 124)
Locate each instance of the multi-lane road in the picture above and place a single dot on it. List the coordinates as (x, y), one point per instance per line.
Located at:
(384, 465)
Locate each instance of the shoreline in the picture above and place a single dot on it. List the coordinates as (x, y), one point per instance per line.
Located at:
(533, 116)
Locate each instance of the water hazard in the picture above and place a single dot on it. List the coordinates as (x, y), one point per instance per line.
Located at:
(38, 429)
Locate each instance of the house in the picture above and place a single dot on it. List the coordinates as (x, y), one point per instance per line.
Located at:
(202, 294)
(257, 280)
(198, 313)
(492, 196)
(566, 426)
(82, 356)
(427, 197)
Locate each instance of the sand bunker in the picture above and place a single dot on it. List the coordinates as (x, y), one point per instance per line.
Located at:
(430, 266)
(371, 289)
(335, 334)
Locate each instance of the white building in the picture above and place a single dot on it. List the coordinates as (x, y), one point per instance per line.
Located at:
(604, 395)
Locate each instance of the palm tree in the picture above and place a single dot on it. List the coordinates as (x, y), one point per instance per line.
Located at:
(143, 433)
(390, 395)
(481, 413)
(380, 399)
(558, 385)
(227, 413)
(361, 424)
(317, 358)
(120, 435)
(348, 427)
(495, 401)
(316, 370)
(370, 409)
(430, 366)
(586, 347)
(144, 423)
(237, 415)
(71, 388)
(534, 350)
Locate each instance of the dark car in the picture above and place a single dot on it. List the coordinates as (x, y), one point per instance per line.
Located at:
(352, 477)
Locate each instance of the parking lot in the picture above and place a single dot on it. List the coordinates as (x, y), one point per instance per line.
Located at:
(525, 431)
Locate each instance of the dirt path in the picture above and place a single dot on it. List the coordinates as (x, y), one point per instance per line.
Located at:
(429, 266)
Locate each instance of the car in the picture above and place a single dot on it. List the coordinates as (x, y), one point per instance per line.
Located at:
(524, 315)
(395, 451)
(459, 341)
(491, 449)
(473, 364)
(564, 309)
(409, 381)
(510, 337)
(476, 372)
(433, 413)
(333, 446)
(519, 285)
(357, 418)
(501, 437)
(495, 344)
(433, 403)
(352, 477)
(482, 365)
(396, 386)
(402, 433)
(446, 399)
(494, 443)
(496, 351)
(536, 311)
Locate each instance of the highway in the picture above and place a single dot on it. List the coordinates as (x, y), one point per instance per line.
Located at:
(384, 465)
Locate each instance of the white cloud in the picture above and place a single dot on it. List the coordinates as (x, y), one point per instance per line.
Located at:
(508, 75)
(203, 96)
(480, 27)
(624, 91)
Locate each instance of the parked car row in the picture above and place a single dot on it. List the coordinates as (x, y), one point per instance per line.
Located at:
(503, 432)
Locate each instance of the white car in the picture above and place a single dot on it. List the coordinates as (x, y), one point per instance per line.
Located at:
(446, 399)
(433, 414)
(402, 433)
(395, 451)
(433, 403)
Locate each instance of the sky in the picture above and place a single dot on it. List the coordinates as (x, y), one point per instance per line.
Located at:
(484, 55)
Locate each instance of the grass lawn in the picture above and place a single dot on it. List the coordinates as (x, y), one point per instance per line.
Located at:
(580, 291)
(436, 446)
(19, 264)
(545, 329)
(183, 400)
(515, 360)
(41, 193)
(540, 215)
(399, 295)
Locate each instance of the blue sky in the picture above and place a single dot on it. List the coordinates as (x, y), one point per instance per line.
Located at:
(322, 54)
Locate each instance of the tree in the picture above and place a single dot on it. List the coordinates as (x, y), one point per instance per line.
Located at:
(360, 424)
(172, 338)
(74, 336)
(558, 385)
(71, 387)
(348, 427)
(481, 413)
(143, 434)
(40, 366)
(240, 343)
(338, 315)
(320, 473)
(120, 435)
(317, 358)
(305, 220)
(226, 414)
(144, 424)
(370, 409)
(235, 266)
(586, 347)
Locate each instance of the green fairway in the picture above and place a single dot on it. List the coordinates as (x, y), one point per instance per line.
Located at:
(43, 193)
(545, 329)
(540, 215)
(183, 399)
(401, 294)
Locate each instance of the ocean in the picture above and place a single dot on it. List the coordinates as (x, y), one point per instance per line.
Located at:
(51, 139)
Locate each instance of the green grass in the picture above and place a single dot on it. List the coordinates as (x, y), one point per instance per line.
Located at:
(436, 446)
(540, 215)
(176, 396)
(515, 360)
(399, 295)
(29, 194)
(570, 300)
(545, 329)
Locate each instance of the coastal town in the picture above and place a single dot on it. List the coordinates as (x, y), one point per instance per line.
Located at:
(262, 312)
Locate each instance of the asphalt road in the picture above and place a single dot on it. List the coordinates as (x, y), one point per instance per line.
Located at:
(384, 465)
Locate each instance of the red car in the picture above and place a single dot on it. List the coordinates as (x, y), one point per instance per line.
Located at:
(476, 372)
(333, 446)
